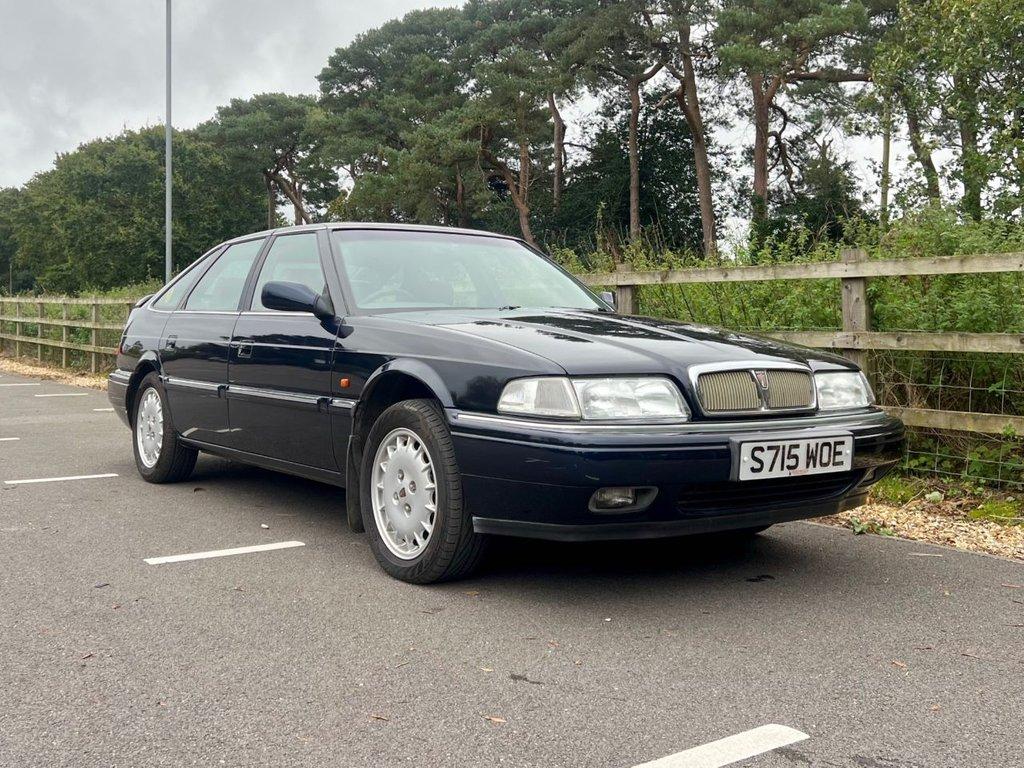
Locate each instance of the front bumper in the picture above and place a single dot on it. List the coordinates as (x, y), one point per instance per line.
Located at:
(532, 479)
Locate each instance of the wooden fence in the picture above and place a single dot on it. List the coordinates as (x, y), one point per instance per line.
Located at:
(75, 329)
(856, 337)
(36, 323)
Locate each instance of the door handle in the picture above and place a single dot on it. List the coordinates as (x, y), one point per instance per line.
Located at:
(171, 342)
(245, 348)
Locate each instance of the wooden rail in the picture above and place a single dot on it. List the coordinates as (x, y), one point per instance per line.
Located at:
(858, 265)
(12, 312)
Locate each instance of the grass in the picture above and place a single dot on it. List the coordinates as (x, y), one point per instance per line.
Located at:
(1008, 511)
(897, 489)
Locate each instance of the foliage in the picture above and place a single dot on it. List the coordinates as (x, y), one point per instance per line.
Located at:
(897, 489)
(96, 218)
(861, 527)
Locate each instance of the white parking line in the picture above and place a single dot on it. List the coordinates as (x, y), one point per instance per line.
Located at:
(8, 439)
(33, 384)
(58, 479)
(65, 394)
(731, 749)
(103, 410)
(223, 552)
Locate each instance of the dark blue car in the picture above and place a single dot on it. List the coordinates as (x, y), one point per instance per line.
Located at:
(460, 385)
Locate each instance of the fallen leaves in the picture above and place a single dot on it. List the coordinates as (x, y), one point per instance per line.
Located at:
(382, 718)
(494, 719)
(946, 524)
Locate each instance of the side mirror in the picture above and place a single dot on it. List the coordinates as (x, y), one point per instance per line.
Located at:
(608, 298)
(295, 297)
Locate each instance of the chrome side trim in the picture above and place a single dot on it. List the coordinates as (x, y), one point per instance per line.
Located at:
(120, 376)
(297, 398)
(206, 386)
(344, 403)
(486, 420)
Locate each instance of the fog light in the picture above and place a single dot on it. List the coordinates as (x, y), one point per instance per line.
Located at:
(613, 498)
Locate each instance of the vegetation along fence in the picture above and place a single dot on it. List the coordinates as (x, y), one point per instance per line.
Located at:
(986, 420)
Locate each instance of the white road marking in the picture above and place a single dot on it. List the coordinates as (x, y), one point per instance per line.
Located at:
(731, 749)
(8, 439)
(65, 394)
(33, 384)
(223, 552)
(103, 410)
(58, 479)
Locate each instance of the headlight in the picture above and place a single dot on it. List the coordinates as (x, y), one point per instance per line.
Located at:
(638, 398)
(843, 389)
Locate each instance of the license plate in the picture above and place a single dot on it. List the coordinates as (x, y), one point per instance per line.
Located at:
(764, 459)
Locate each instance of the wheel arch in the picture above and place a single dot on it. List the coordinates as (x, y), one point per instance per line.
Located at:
(147, 364)
(397, 380)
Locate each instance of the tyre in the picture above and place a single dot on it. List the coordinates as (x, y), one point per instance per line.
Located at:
(159, 455)
(411, 497)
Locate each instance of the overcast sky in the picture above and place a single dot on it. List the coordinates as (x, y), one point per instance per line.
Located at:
(73, 70)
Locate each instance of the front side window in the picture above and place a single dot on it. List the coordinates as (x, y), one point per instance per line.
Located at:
(291, 259)
(220, 289)
(394, 270)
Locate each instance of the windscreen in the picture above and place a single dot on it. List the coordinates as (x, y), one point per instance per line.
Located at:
(395, 270)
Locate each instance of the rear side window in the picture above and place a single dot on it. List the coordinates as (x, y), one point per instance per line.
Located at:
(172, 296)
(291, 259)
(220, 289)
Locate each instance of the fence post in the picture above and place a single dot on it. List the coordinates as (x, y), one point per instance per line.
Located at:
(17, 328)
(39, 331)
(856, 310)
(64, 335)
(93, 337)
(625, 295)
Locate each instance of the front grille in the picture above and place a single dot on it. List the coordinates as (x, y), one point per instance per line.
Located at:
(728, 391)
(737, 496)
(789, 389)
(738, 391)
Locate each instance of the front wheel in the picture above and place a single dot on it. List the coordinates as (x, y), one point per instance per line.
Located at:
(411, 497)
(159, 455)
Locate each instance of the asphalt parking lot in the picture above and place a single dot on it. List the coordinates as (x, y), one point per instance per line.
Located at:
(883, 653)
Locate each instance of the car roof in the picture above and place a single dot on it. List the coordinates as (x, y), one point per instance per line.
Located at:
(369, 225)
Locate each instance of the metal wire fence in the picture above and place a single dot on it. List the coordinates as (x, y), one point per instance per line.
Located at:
(958, 382)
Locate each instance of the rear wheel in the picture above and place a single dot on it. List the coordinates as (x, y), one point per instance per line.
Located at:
(159, 455)
(411, 497)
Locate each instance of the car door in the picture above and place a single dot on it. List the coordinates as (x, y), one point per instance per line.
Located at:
(195, 343)
(279, 376)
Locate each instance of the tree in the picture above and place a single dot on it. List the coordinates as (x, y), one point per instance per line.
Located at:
(958, 66)
(379, 90)
(683, 16)
(96, 219)
(619, 44)
(10, 199)
(269, 135)
(597, 197)
(772, 44)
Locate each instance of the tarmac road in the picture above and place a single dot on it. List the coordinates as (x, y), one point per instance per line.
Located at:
(884, 653)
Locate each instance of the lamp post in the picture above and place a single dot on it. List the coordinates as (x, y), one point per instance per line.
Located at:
(167, 157)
